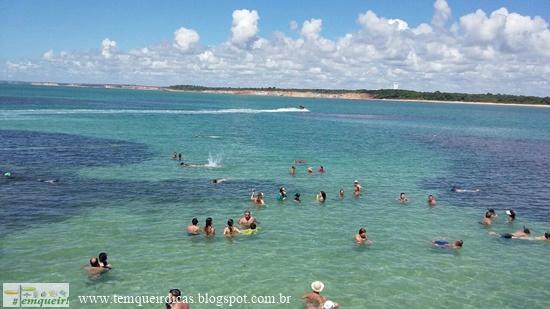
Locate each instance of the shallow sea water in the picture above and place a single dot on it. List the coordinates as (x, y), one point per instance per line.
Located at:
(118, 191)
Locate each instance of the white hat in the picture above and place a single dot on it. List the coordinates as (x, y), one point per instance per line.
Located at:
(356, 181)
(508, 212)
(329, 304)
(317, 286)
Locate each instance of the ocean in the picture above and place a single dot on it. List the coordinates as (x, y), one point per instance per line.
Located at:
(92, 171)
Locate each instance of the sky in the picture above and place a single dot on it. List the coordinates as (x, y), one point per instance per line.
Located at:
(497, 46)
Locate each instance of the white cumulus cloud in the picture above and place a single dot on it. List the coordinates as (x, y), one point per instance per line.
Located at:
(245, 26)
(184, 38)
(107, 48)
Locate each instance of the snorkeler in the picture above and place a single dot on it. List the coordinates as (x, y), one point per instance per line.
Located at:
(230, 230)
(431, 200)
(193, 228)
(251, 230)
(209, 230)
(488, 220)
(443, 244)
(297, 198)
(341, 193)
(357, 188)
(511, 215)
(321, 197)
(403, 198)
(257, 199)
(247, 220)
(519, 234)
(292, 170)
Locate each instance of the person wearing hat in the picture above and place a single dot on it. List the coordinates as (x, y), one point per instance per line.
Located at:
(257, 199)
(329, 304)
(357, 188)
(314, 299)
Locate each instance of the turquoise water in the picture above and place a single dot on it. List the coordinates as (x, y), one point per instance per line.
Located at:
(118, 191)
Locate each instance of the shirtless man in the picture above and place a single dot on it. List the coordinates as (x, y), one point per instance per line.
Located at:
(314, 299)
(357, 188)
(247, 219)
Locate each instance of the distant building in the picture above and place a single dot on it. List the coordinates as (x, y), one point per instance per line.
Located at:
(395, 85)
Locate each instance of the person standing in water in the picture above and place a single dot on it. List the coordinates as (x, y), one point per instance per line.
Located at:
(193, 228)
(341, 194)
(403, 198)
(230, 230)
(247, 219)
(314, 299)
(209, 230)
(292, 170)
(321, 197)
(361, 237)
(488, 219)
(321, 169)
(175, 156)
(357, 188)
(431, 200)
(310, 170)
(257, 199)
(179, 156)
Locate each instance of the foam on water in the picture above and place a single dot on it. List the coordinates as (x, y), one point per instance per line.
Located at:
(20, 112)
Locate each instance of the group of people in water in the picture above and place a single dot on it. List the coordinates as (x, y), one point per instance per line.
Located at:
(98, 265)
(247, 223)
(524, 233)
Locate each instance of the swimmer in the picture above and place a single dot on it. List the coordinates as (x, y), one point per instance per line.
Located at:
(403, 198)
(217, 181)
(209, 230)
(357, 188)
(321, 197)
(282, 193)
(175, 300)
(103, 261)
(230, 230)
(299, 161)
(341, 193)
(247, 220)
(179, 156)
(193, 228)
(511, 215)
(175, 156)
(292, 170)
(431, 200)
(545, 237)
(251, 230)
(519, 234)
(94, 269)
(321, 169)
(443, 244)
(361, 237)
(297, 198)
(257, 199)
(310, 170)
(488, 219)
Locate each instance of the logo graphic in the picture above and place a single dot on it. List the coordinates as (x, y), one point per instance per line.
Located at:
(44, 295)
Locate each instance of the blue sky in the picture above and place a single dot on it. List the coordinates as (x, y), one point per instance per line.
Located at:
(76, 29)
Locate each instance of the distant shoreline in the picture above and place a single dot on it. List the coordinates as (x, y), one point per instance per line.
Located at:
(385, 95)
(344, 96)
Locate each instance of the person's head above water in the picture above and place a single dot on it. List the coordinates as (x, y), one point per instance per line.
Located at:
(247, 214)
(511, 214)
(362, 232)
(103, 257)
(208, 221)
(491, 211)
(547, 235)
(526, 230)
(323, 195)
(194, 221)
(94, 262)
(488, 215)
(402, 194)
(458, 243)
(230, 222)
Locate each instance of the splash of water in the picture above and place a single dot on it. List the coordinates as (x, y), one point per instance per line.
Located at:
(214, 161)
